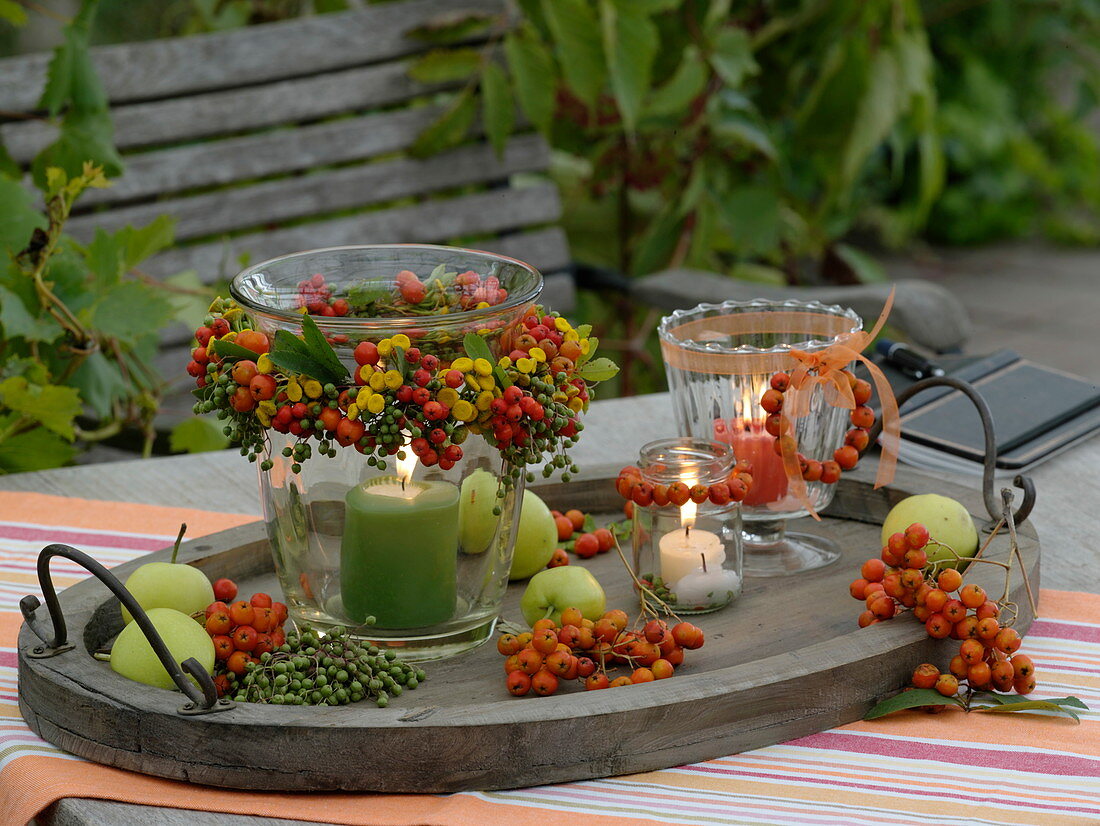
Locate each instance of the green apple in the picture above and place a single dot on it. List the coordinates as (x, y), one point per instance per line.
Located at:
(536, 538)
(552, 591)
(133, 657)
(948, 523)
(476, 500)
(169, 585)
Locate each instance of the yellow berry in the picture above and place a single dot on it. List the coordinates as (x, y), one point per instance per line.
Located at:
(377, 380)
(563, 325)
(505, 362)
(571, 335)
(393, 379)
(447, 396)
(482, 367)
(361, 399)
(525, 365)
(484, 400)
(575, 404)
(385, 347)
(486, 382)
(313, 388)
(538, 354)
(401, 340)
(463, 365)
(376, 403)
(264, 411)
(463, 410)
(353, 411)
(294, 391)
(264, 364)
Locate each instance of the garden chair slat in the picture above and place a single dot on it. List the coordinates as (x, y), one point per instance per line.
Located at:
(256, 55)
(318, 193)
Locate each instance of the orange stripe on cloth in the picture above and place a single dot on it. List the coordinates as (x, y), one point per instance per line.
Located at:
(1068, 605)
(49, 779)
(45, 509)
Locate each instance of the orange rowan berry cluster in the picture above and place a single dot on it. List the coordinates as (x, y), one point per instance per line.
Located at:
(856, 440)
(586, 651)
(902, 579)
(632, 487)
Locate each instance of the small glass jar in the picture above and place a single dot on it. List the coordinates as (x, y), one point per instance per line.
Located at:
(690, 556)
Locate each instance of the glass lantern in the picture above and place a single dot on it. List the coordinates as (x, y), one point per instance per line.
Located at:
(690, 556)
(719, 359)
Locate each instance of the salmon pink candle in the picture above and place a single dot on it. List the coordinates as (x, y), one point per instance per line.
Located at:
(769, 479)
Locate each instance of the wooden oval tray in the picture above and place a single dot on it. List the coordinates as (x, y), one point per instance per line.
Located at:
(784, 661)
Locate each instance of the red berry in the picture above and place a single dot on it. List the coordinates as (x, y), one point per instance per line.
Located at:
(916, 535)
(225, 590)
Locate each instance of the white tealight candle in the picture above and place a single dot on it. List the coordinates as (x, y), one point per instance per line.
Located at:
(706, 587)
(681, 550)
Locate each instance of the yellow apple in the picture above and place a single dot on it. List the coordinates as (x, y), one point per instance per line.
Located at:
(536, 538)
(169, 585)
(947, 521)
(133, 657)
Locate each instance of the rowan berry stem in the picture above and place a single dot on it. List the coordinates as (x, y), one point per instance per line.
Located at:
(1006, 497)
(642, 589)
(179, 539)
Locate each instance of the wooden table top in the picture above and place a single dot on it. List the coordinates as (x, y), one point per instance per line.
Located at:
(1068, 485)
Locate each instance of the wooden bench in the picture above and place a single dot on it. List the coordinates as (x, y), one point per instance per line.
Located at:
(293, 135)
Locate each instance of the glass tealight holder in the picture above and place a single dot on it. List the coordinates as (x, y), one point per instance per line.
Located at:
(719, 359)
(688, 556)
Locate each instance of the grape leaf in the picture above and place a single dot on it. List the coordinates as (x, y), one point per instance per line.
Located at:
(129, 310)
(100, 384)
(142, 242)
(191, 298)
(321, 350)
(752, 216)
(445, 65)
(498, 112)
(18, 322)
(36, 449)
(911, 699)
(686, 84)
(104, 257)
(630, 42)
(13, 13)
(20, 216)
(532, 68)
(197, 435)
(9, 166)
(51, 405)
(600, 369)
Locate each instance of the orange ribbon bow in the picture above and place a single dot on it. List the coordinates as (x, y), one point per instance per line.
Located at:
(825, 368)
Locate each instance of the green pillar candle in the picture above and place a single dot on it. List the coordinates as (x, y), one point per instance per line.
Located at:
(398, 554)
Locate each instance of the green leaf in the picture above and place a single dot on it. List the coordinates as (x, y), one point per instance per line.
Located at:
(532, 68)
(291, 353)
(875, 115)
(630, 43)
(1034, 705)
(589, 523)
(448, 130)
(36, 449)
(100, 384)
(498, 113)
(911, 699)
(686, 84)
(197, 435)
(20, 216)
(477, 348)
(445, 65)
(18, 321)
(600, 369)
(452, 27)
(143, 242)
(742, 129)
(9, 166)
(13, 13)
(129, 310)
(84, 137)
(234, 351)
(51, 405)
(751, 215)
(105, 258)
(659, 241)
(759, 274)
(321, 350)
(191, 298)
(655, 6)
(731, 56)
(577, 37)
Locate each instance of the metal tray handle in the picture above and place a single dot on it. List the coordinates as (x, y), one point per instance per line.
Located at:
(202, 698)
(992, 502)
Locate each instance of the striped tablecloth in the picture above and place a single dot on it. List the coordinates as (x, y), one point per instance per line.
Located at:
(912, 768)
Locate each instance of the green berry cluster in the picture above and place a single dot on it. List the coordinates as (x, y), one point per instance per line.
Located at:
(334, 669)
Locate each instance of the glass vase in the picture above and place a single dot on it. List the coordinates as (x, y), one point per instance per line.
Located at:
(690, 556)
(409, 557)
(719, 359)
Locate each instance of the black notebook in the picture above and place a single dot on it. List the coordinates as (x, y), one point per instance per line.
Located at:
(1036, 410)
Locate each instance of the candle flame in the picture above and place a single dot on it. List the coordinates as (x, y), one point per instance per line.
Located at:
(406, 467)
(689, 508)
